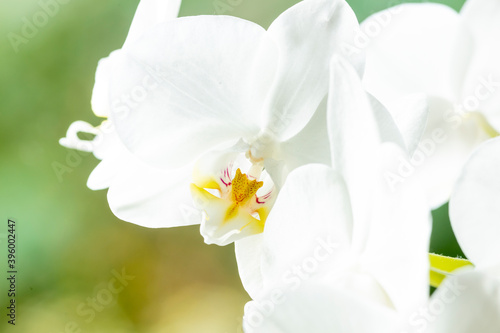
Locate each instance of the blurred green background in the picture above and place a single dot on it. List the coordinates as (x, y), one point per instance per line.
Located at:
(69, 243)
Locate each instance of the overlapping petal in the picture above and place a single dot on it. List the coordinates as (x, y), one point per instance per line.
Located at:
(100, 94)
(475, 207)
(432, 49)
(410, 113)
(318, 309)
(153, 198)
(148, 14)
(307, 248)
(137, 193)
(249, 258)
(482, 82)
(307, 35)
(400, 214)
(446, 144)
(419, 48)
(357, 125)
(310, 145)
(198, 92)
(311, 217)
(469, 302)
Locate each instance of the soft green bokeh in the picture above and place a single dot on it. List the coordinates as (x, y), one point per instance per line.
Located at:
(68, 240)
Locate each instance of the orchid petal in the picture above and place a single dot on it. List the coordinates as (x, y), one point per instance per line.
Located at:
(410, 114)
(474, 206)
(318, 309)
(311, 217)
(102, 176)
(151, 197)
(468, 302)
(309, 146)
(357, 125)
(403, 57)
(100, 94)
(194, 95)
(150, 13)
(449, 139)
(399, 214)
(307, 35)
(248, 256)
(138, 193)
(482, 83)
(116, 160)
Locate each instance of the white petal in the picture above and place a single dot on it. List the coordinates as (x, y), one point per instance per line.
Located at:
(248, 256)
(318, 309)
(447, 143)
(307, 35)
(482, 84)
(153, 198)
(357, 125)
(469, 302)
(150, 13)
(104, 145)
(311, 145)
(116, 159)
(474, 208)
(311, 218)
(190, 78)
(410, 114)
(107, 143)
(100, 94)
(400, 216)
(418, 48)
(102, 176)
(139, 193)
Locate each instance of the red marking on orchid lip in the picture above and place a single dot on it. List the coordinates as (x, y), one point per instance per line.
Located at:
(263, 198)
(228, 170)
(226, 176)
(266, 196)
(260, 202)
(223, 182)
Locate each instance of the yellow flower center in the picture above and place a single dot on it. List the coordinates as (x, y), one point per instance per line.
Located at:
(237, 211)
(242, 190)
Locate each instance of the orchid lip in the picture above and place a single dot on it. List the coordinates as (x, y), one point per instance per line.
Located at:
(231, 203)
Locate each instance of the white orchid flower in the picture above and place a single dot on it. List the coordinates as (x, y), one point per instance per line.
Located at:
(342, 250)
(124, 174)
(454, 59)
(242, 104)
(469, 301)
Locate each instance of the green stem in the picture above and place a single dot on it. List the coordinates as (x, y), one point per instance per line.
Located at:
(442, 266)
